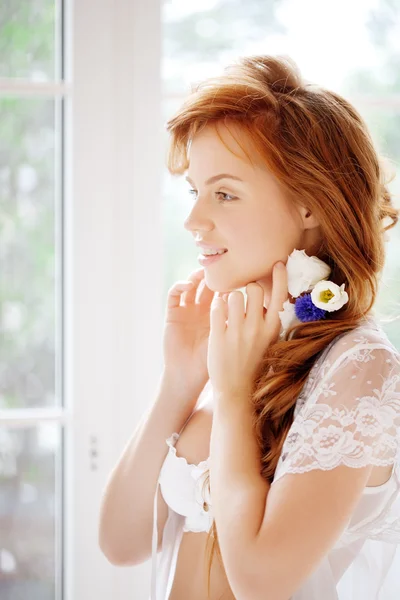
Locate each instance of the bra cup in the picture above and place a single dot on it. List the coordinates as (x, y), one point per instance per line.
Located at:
(181, 486)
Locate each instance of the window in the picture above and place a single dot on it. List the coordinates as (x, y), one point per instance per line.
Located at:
(32, 409)
(80, 181)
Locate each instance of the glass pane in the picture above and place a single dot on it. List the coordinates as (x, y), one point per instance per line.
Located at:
(384, 125)
(200, 37)
(180, 252)
(28, 30)
(27, 253)
(30, 508)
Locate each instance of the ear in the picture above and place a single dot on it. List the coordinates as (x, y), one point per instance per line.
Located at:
(309, 219)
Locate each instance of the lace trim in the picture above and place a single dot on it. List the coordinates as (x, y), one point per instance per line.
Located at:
(342, 460)
(323, 436)
(171, 441)
(332, 445)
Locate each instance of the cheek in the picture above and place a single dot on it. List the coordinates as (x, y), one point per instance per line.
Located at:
(271, 236)
(270, 229)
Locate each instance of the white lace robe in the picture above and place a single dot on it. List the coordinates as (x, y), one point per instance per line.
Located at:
(348, 412)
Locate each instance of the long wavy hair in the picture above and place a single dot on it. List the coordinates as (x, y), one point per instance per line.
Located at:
(319, 148)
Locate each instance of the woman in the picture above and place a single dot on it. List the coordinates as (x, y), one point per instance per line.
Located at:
(287, 403)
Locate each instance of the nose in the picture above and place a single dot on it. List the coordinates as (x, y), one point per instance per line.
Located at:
(199, 218)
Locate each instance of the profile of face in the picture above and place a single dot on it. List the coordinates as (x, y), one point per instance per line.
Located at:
(245, 212)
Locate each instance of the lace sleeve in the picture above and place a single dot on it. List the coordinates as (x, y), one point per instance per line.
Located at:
(352, 416)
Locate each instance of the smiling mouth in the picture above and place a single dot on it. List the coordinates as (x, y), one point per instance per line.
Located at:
(208, 259)
(217, 254)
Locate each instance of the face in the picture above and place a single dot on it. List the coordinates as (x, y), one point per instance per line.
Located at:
(251, 218)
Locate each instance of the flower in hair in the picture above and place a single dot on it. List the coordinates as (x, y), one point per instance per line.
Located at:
(304, 272)
(309, 274)
(328, 296)
(306, 310)
(287, 315)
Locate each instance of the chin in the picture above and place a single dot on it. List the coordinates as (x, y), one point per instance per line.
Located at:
(225, 284)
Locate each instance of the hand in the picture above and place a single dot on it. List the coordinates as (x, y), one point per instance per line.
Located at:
(239, 339)
(187, 328)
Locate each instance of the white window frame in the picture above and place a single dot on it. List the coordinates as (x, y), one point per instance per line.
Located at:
(116, 263)
(111, 279)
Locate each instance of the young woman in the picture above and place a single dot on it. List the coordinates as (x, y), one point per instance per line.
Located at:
(275, 433)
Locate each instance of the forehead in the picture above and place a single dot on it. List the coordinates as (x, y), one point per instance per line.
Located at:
(221, 148)
(222, 142)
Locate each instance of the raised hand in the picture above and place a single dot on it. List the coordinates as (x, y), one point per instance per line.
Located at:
(239, 336)
(187, 329)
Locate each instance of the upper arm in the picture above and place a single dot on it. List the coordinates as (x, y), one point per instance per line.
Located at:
(162, 515)
(350, 424)
(305, 515)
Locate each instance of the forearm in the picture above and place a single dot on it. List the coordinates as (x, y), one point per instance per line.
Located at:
(239, 492)
(127, 503)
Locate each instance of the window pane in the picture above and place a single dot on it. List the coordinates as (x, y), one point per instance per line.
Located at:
(27, 253)
(201, 37)
(28, 39)
(179, 249)
(384, 125)
(30, 502)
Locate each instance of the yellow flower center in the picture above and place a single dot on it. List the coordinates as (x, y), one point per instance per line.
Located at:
(325, 296)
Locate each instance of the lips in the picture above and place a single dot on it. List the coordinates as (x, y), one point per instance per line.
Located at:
(206, 246)
(205, 260)
(218, 254)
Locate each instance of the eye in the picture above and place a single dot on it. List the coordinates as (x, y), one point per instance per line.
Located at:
(226, 198)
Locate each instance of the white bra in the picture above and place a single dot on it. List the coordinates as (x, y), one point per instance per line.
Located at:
(181, 485)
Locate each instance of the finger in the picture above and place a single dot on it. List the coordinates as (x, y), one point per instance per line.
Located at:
(196, 277)
(218, 316)
(176, 291)
(255, 309)
(267, 293)
(279, 295)
(223, 295)
(205, 295)
(236, 313)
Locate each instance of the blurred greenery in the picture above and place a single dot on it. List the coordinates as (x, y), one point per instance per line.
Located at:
(29, 149)
(27, 39)
(27, 255)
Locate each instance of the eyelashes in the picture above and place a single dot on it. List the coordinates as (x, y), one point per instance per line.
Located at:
(192, 191)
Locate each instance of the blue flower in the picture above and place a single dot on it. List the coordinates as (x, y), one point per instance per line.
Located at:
(306, 310)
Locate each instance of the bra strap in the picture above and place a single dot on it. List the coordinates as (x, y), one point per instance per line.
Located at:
(154, 548)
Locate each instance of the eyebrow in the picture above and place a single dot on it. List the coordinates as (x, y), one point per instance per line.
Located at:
(217, 178)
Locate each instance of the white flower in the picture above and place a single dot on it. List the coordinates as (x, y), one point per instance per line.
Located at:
(287, 315)
(304, 272)
(329, 296)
